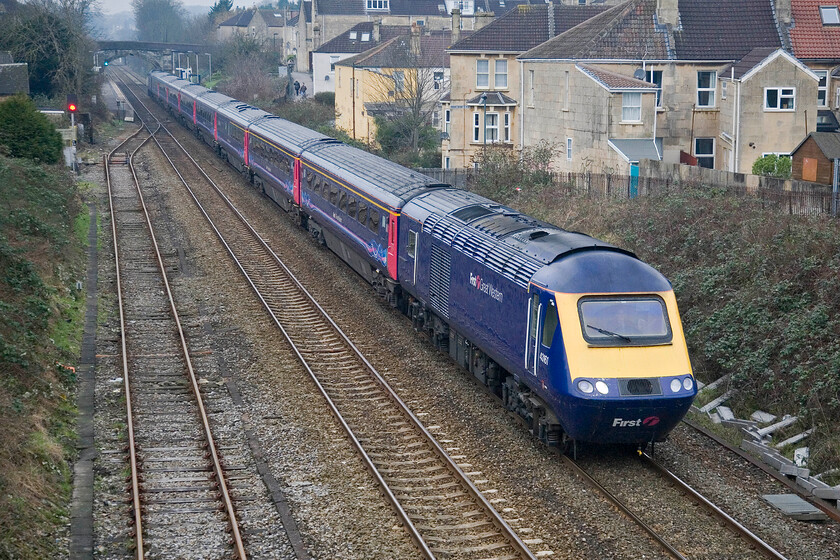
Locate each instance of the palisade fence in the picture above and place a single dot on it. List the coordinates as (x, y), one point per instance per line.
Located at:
(789, 196)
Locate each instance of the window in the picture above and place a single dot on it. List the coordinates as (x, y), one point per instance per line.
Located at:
(566, 95)
(724, 84)
(491, 127)
(411, 248)
(500, 74)
(447, 119)
(362, 212)
(353, 35)
(830, 15)
(706, 82)
(333, 60)
(549, 323)
(435, 119)
(779, 99)
(506, 136)
(421, 23)
(704, 151)
(378, 4)
(373, 220)
(399, 80)
(568, 149)
(624, 321)
(482, 73)
(351, 206)
(365, 37)
(655, 77)
(438, 77)
(822, 88)
(631, 107)
(446, 162)
(535, 310)
(531, 88)
(342, 201)
(476, 127)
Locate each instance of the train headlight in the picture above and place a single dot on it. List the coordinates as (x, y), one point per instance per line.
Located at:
(602, 387)
(585, 386)
(688, 383)
(675, 385)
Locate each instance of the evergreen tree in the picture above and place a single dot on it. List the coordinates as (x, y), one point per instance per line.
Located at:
(26, 133)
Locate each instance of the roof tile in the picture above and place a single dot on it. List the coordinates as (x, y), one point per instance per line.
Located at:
(809, 38)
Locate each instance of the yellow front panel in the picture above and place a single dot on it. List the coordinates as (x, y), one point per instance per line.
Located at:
(590, 361)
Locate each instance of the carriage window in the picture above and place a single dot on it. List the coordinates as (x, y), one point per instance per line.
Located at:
(373, 220)
(334, 195)
(549, 323)
(315, 183)
(342, 202)
(351, 206)
(535, 308)
(630, 321)
(362, 213)
(411, 248)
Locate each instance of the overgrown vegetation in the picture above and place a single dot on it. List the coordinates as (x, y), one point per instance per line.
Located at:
(759, 291)
(26, 133)
(41, 327)
(773, 165)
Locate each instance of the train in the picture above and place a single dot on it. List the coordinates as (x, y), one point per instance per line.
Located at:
(580, 338)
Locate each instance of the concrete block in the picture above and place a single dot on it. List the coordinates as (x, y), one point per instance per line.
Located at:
(725, 413)
(806, 484)
(762, 417)
(784, 423)
(800, 457)
(795, 507)
(716, 402)
(827, 492)
(795, 439)
(715, 384)
(793, 470)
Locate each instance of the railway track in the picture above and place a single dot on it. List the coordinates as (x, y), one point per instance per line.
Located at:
(442, 509)
(193, 495)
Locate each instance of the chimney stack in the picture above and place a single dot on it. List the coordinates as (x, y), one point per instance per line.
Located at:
(783, 9)
(415, 40)
(456, 25)
(376, 23)
(668, 12)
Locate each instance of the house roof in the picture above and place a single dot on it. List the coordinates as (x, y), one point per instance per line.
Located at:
(273, 18)
(239, 19)
(346, 43)
(809, 38)
(397, 7)
(14, 78)
(494, 98)
(633, 150)
(827, 142)
(525, 27)
(613, 81)
(750, 61)
(709, 30)
(396, 53)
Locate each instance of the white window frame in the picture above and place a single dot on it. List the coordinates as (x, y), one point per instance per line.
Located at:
(710, 90)
(476, 127)
(704, 155)
(822, 88)
(378, 4)
(531, 88)
(447, 120)
(446, 162)
(566, 90)
(491, 127)
(568, 149)
(782, 93)
(482, 76)
(650, 76)
(438, 79)
(631, 107)
(500, 73)
(365, 37)
(399, 81)
(830, 15)
(506, 127)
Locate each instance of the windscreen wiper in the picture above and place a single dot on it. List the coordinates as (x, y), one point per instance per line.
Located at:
(609, 333)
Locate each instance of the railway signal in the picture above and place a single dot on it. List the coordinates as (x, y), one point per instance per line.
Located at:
(72, 103)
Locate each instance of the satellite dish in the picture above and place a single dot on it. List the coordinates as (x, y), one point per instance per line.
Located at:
(639, 74)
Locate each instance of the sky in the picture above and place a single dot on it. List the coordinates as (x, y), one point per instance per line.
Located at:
(110, 7)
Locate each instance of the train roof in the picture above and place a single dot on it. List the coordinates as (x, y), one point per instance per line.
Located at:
(214, 99)
(287, 135)
(195, 90)
(241, 112)
(511, 243)
(390, 183)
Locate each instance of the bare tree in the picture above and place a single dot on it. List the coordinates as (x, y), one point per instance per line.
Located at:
(159, 20)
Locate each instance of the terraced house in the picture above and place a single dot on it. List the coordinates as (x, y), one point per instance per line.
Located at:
(707, 82)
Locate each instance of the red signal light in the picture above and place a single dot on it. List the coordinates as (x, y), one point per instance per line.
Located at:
(72, 103)
(72, 107)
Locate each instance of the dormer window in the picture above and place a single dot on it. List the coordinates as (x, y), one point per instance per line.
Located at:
(378, 4)
(353, 35)
(830, 15)
(365, 37)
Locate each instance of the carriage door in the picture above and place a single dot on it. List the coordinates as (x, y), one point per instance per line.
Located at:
(542, 322)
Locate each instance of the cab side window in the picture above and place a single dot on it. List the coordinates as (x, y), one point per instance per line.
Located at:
(549, 323)
(411, 248)
(535, 310)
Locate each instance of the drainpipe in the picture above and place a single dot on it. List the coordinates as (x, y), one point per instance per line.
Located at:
(737, 157)
(521, 107)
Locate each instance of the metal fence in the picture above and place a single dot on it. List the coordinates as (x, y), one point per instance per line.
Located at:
(802, 201)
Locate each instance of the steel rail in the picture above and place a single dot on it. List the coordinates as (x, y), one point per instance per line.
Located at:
(135, 477)
(205, 421)
(753, 539)
(822, 505)
(216, 461)
(496, 518)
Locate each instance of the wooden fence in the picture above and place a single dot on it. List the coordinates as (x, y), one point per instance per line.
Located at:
(795, 198)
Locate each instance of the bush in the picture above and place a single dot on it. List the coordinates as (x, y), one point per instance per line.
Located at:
(26, 133)
(773, 165)
(326, 98)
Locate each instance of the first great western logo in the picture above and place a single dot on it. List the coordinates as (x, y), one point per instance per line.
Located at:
(485, 287)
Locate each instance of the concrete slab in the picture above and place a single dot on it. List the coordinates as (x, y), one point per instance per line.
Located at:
(725, 413)
(715, 384)
(793, 470)
(711, 405)
(795, 439)
(762, 417)
(827, 492)
(794, 506)
(783, 423)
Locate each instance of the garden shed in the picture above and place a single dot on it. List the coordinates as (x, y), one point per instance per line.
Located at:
(813, 159)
